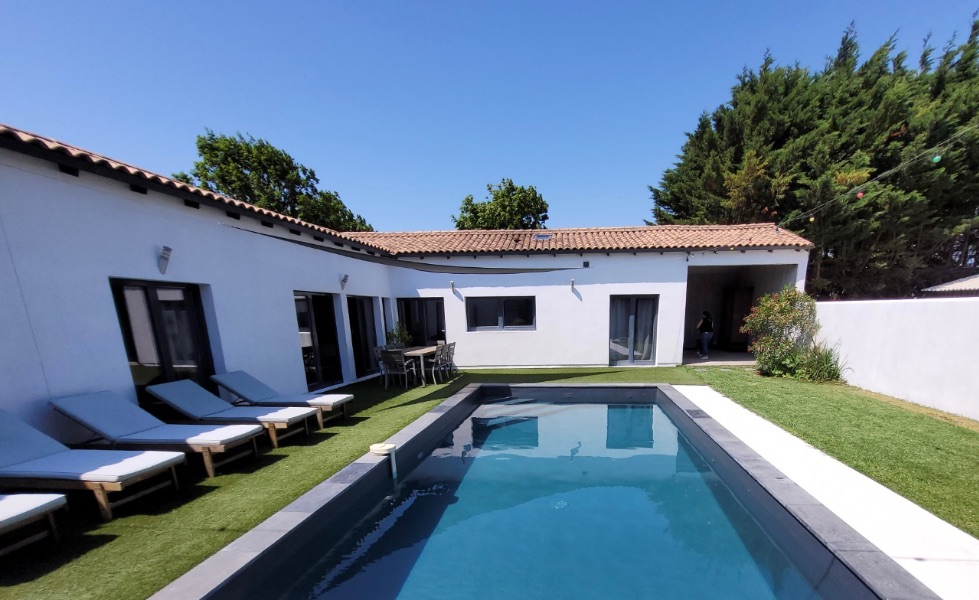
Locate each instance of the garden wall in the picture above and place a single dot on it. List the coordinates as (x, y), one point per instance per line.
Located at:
(923, 351)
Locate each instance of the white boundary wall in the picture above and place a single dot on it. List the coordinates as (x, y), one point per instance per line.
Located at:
(923, 351)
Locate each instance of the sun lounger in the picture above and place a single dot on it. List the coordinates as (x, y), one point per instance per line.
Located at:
(199, 404)
(253, 391)
(30, 459)
(122, 424)
(20, 510)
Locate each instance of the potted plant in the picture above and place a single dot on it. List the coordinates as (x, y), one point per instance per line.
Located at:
(399, 335)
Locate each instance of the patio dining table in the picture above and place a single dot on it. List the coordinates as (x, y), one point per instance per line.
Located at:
(420, 352)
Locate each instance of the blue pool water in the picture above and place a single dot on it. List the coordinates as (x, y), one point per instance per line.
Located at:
(542, 500)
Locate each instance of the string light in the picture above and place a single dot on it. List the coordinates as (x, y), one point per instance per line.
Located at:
(936, 158)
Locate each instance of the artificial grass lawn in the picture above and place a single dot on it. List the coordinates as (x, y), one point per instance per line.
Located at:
(156, 539)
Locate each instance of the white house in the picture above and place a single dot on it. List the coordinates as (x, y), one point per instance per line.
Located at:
(112, 277)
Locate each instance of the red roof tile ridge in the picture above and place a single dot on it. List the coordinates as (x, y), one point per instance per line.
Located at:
(614, 228)
(95, 158)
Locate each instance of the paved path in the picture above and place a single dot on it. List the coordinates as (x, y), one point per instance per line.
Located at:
(943, 557)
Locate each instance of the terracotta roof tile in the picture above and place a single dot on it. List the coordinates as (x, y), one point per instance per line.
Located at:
(18, 139)
(590, 239)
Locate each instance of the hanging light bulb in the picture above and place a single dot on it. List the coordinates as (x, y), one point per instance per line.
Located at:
(860, 194)
(937, 159)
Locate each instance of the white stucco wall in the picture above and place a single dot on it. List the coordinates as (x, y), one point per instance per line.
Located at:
(63, 238)
(573, 326)
(918, 350)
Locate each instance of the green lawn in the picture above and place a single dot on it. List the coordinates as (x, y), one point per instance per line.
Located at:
(917, 453)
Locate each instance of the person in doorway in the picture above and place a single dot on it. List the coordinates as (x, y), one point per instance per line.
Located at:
(705, 329)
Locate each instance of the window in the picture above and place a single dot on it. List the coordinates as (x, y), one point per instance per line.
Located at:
(164, 332)
(500, 313)
(424, 318)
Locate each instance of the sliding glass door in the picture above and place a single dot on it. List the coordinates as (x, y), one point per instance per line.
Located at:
(318, 339)
(363, 334)
(632, 329)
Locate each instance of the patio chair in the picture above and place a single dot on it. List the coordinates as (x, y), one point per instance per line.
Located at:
(436, 362)
(448, 362)
(122, 424)
(30, 459)
(198, 404)
(20, 510)
(249, 390)
(395, 364)
(377, 358)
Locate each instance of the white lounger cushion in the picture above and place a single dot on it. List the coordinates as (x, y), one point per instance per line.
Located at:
(324, 400)
(265, 414)
(107, 414)
(18, 508)
(198, 403)
(120, 421)
(247, 387)
(193, 435)
(94, 465)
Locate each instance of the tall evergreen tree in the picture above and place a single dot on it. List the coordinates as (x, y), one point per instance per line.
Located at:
(847, 158)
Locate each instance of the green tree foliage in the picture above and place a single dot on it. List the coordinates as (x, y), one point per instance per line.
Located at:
(257, 172)
(783, 331)
(507, 207)
(876, 163)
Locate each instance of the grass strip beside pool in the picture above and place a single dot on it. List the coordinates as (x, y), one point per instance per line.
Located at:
(928, 457)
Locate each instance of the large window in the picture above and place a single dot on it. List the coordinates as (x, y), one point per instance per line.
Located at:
(424, 318)
(500, 313)
(164, 332)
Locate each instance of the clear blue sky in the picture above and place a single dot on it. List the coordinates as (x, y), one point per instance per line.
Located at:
(406, 107)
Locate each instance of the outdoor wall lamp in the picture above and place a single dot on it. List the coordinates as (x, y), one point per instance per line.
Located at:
(343, 281)
(164, 259)
(452, 286)
(572, 285)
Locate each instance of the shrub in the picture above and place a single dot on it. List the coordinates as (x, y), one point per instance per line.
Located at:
(783, 329)
(821, 364)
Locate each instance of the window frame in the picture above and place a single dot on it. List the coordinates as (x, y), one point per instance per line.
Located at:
(501, 313)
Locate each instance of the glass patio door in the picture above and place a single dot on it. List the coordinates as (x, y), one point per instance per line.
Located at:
(632, 329)
(164, 333)
(363, 334)
(318, 339)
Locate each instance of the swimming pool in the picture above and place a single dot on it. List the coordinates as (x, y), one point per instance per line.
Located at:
(565, 492)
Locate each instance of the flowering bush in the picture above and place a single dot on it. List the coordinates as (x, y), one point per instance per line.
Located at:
(783, 329)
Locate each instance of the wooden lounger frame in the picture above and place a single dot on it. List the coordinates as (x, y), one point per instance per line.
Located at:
(206, 452)
(277, 430)
(101, 489)
(51, 531)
